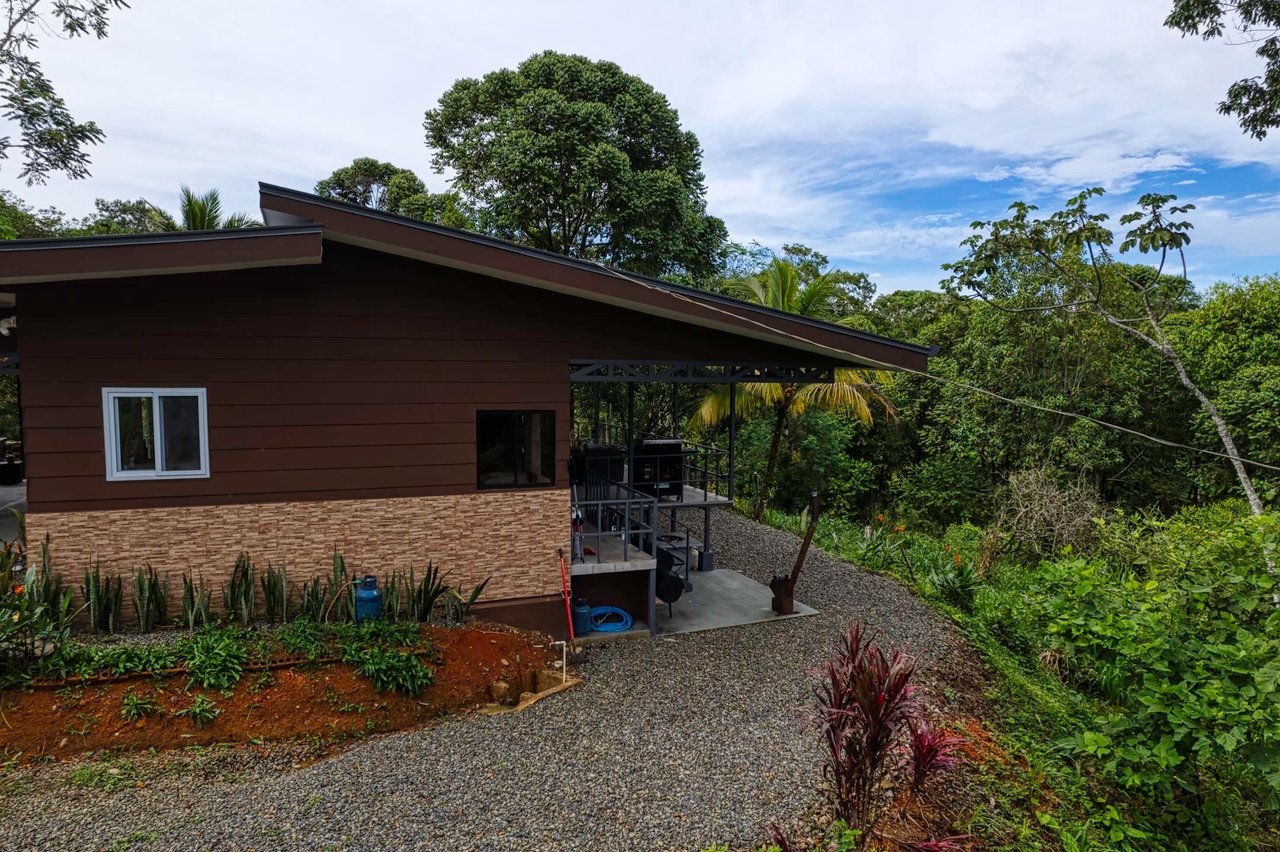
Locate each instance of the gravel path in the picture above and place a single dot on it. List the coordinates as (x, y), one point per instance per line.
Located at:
(671, 744)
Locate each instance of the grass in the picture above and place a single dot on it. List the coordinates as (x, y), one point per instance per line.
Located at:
(144, 837)
(108, 777)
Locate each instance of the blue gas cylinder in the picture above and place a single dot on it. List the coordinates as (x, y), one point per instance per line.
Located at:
(368, 599)
(581, 617)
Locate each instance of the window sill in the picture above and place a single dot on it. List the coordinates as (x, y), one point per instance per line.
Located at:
(156, 477)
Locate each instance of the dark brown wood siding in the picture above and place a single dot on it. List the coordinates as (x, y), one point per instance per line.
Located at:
(359, 377)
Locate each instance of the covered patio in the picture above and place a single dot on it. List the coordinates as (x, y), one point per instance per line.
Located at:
(643, 500)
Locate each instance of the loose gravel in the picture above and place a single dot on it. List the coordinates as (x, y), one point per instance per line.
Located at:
(678, 743)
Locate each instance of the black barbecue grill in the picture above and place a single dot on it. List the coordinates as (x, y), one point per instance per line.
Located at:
(660, 464)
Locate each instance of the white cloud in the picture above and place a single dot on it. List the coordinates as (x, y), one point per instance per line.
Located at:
(811, 113)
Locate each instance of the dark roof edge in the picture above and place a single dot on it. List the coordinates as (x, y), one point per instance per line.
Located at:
(160, 238)
(565, 260)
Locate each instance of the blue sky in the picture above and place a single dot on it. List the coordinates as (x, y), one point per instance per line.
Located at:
(874, 132)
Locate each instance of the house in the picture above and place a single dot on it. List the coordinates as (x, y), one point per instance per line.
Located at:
(397, 389)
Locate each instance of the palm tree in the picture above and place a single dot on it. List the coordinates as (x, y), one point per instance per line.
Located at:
(782, 287)
(203, 212)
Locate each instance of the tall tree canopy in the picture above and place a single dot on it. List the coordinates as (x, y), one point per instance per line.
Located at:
(384, 186)
(1254, 101)
(18, 220)
(126, 216)
(1071, 251)
(579, 157)
(50, 138)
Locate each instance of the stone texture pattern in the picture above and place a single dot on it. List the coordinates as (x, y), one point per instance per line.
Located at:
(512, 536)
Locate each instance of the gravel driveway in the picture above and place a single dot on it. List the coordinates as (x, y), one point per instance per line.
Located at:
(677, 743)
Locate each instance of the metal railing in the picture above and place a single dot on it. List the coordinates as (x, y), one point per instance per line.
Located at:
(700, 466)
(613, 520)
(707, 468)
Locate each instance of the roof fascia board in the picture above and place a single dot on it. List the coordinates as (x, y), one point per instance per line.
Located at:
(138, 255)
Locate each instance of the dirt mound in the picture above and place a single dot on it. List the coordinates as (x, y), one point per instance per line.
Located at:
(326, 702)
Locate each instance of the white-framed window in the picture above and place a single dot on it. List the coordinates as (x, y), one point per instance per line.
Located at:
(156, 433)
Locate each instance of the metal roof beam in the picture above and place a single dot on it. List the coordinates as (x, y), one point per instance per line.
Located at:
(695, 372)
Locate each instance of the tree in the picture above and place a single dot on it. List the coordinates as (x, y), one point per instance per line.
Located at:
(383, 186)
(1231, 344)
(578, 157)
(50, 138)
(203, 212)
(785, 286)
(19, 221)
(1072, 248)
(121, 216)
(1254, 101)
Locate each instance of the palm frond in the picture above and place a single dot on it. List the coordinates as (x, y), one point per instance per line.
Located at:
(199, 211)
(240, 220)
(202, 211)
(853, 392)
(752, 396)
(816, 298)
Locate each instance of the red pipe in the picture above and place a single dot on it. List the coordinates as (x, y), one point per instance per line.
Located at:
(564, 583)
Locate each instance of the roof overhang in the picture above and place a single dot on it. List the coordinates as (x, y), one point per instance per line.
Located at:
(134, 255)
(372, 229)
(298, 223)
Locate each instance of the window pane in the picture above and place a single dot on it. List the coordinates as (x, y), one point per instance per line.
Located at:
(515, 448)
(136, 433)
(181, 432)
(495, 449)
(539, 448)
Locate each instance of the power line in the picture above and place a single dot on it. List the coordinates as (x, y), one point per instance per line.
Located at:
(942, 379)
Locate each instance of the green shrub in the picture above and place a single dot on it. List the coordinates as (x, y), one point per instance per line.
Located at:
(134, 707)
(195, 603)
(150, 599)
(202, 711)
(424, 596)
(302, 638)
(943, 489)
(275, 594)
(956, 579)
(1189, 657)
(311, 600)
(879, 546)
(30, 628)
(217, 658)
(238, 594)
(375, 648)
(103, 599)
(391, 669)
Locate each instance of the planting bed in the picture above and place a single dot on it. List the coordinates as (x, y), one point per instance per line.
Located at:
(327, 701)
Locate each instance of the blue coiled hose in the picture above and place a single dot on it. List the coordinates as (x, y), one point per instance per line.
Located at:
(610, 619)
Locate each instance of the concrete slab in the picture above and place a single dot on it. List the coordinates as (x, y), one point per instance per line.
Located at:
(721, 599)
(638, 630)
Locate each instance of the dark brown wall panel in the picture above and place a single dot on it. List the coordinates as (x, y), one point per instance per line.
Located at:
(359, 377)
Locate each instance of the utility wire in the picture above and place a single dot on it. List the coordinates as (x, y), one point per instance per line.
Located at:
(941, 379)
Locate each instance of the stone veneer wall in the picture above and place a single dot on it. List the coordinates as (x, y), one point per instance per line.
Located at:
(511, 535)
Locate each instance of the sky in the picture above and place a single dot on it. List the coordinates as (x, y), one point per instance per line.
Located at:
(875, 132)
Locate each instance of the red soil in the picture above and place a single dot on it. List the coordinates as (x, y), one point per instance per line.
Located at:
(979, 746)
(328, 702)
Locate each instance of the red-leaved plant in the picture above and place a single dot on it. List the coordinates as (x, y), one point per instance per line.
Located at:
(929, 752)
(871, 728)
